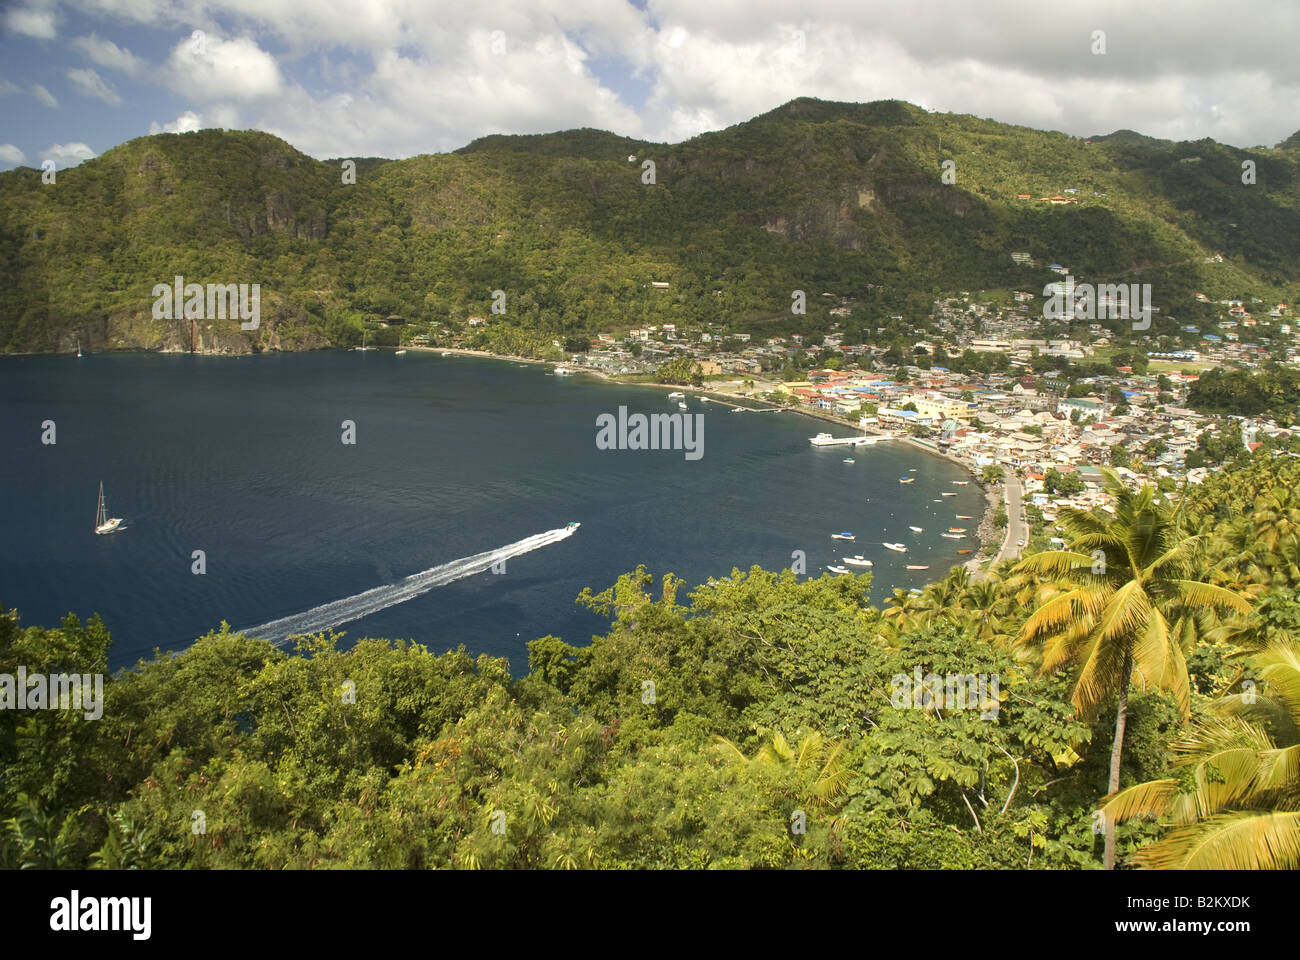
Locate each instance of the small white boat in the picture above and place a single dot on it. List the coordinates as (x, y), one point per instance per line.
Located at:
(963, 516)
(950, 494)
(399, 353)
(563, 371)
(907, 479)
(681, 405)
(849, 460)
(961, 483)
(737, 409)
(918, 566)
(833, 568)
(676, 395)
(951, 536)
(843, 536)
(857, 560)
(896, 547)
(445, 354)
(103, 522)
(916, 529)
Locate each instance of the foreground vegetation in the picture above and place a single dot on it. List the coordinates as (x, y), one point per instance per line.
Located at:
(1146, 713)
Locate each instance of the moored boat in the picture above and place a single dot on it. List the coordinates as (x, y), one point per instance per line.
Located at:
(857, 560)
(967, 550)
(845, 535)
(834, 568)
(103, 522)
(917, 529)
(951, 536)
(956, 529)
(896, 547)
(918, 566)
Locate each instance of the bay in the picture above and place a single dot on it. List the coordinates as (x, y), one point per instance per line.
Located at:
(242, 459)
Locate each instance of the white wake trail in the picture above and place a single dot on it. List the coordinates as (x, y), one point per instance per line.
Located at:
(338, 612)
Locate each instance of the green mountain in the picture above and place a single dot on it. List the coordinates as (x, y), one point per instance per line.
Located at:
(814, 196)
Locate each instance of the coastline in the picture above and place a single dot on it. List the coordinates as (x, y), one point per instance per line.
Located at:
(985, 530)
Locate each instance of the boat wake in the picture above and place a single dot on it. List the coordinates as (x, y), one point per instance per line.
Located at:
(337, 612)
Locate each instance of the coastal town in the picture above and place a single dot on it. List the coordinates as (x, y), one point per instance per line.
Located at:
(983, 386)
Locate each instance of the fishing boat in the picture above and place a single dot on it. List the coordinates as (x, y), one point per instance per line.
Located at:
(907, 479)
(967, 550)
(103, 522)
(843, 536)
(918, 566)
(956, 529)
(857, 560)
(834, 568)
(951, 536)
(916, 529)
(896, 547)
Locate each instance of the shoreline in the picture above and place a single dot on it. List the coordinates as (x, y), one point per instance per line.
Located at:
(714, 396)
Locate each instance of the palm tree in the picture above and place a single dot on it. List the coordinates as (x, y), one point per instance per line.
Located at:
(1126, 583)
(815, 762)
(1244, 758)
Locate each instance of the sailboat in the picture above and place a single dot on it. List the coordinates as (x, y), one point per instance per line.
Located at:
(363, 343)
(78, 346)
(103, 522)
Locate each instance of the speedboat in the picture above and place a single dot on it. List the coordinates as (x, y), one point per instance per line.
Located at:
(916, 529)
(950, 494)
(676, 395)
(572, 525)
(897, 547)
(951, 536)
(843, 536)
(849, 460)
(956, 529)
(857, 560)
(907, 479)
(967, 550)
(399, 353)
(833, 568)
(918, 566)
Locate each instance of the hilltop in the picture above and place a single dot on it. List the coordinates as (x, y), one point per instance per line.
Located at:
(815, 195)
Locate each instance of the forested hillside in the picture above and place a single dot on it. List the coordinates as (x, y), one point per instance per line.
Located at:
(817, 196)
(768, 721)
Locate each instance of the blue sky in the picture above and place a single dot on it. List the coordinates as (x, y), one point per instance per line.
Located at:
(400, 77)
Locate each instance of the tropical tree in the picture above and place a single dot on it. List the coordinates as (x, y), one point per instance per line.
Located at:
(1126, 577)
(1237, 807)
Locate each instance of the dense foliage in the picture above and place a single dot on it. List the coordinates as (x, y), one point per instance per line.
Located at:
(820, 197)
(760, 721)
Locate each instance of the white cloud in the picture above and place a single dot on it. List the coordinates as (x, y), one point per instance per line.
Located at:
(44, 96)
(223, 70)
(11, 154)
(187, 122)
(67, 155)
(91, 84)
(108, 54)
(31, 21)
(7, 88)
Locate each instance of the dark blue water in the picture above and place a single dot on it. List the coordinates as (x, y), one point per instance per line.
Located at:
(241, 458)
